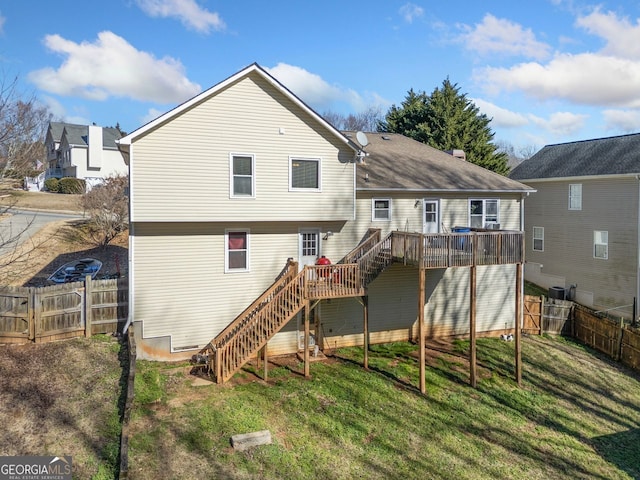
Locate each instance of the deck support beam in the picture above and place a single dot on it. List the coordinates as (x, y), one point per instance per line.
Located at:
(365, 311)
(473, 368)
(307, 314)
(265, 374)
(422, 272)
(518, 332)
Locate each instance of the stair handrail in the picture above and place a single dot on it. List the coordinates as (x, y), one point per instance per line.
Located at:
(283, 278)
(373, 252)
(372, 237)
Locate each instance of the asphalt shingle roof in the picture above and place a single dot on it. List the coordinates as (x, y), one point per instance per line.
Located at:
(77, 134)
(603, 156)
(396, 162)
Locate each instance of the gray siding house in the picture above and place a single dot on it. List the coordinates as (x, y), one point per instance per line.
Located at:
(284, 188)
(582, 226)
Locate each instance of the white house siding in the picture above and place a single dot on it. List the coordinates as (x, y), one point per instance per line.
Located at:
(248, 117)
(393, 306)
(609, 204)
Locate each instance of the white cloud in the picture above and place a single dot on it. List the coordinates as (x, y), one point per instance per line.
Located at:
(622, 120)
(3, 19)
(315, 91)
(152, 114)
(113, 67)
(621, 37)
(501, 36)
(187, 11)
(587, 78)
(411, 11)
(561, 123)
(501, 117)
(59, 112)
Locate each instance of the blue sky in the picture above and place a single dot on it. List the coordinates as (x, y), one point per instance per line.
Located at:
(546, 71)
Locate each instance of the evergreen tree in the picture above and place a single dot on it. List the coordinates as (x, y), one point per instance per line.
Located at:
(447, 120)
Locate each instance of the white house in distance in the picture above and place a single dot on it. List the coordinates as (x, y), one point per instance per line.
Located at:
(583, 224)
(88, 152)
(283, 184)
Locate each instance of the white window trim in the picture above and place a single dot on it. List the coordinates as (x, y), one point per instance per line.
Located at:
(533, 244)
(226, 250)
(484, 210)
(253, 175)
(579, 207)
(606, 256)
(373, 209)
(298, 189)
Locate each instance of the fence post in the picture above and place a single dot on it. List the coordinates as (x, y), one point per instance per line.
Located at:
(31, 315)
(618, 356)
(88, 298)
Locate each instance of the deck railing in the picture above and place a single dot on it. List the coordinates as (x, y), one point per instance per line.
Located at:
(437, 250)
(332, 281)
(371, 238)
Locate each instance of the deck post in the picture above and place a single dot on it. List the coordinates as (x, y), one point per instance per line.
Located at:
(306, 339)
(264, 357)
(518, 332)
(422, 272)
(472, 327)
(365, 309)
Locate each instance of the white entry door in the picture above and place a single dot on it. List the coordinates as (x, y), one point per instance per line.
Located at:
(309, 246)
(431, 218)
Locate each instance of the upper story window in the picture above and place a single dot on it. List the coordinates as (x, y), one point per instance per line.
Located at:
(381, 209)
(304, 174)
(538, 239)
(236, 246)
(601, 244)
(484, 212)
(242, 181)
(575, 196)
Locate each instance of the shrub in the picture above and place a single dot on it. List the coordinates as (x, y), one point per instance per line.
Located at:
(52, 184)
(72, 185)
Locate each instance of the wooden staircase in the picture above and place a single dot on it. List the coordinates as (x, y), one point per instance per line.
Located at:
(288, 295)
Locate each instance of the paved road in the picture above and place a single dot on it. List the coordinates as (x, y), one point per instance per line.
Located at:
(23, 224)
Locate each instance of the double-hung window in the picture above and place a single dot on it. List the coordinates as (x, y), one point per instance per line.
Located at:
(236, 246)
(380, 209)
(483, 213)
(575, 196)
(601, 244)
(242, 181)
(538, 239)
(304, 174)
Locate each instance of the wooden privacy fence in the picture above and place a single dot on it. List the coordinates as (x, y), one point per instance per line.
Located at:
(42, 314)
(620, 342)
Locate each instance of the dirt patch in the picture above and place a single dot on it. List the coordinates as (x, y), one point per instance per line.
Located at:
(62, 398)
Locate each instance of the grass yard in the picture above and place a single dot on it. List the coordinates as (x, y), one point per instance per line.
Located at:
(578, 416)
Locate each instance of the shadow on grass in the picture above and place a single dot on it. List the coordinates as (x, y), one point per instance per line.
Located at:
(621, 449)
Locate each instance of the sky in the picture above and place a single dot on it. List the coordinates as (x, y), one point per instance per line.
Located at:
(544, 71)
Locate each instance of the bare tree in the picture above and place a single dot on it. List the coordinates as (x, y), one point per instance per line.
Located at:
(108, 208)
(23, 123)
(366, 121)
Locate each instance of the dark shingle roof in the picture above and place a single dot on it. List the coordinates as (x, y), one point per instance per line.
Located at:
(396, 162)
(603, 156)
(77, 134)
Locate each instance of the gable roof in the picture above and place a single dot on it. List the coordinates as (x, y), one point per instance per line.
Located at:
(254, 68)
(396, 162)
(602, 156)
(78, 134)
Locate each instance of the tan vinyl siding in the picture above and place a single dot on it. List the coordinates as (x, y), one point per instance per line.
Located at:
(180, 170)
(180, 286)
(607, 204)
(393, 306)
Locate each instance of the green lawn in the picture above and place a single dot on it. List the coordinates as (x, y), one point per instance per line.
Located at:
(578, 416)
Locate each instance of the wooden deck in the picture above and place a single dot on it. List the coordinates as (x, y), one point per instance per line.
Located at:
(292, 292)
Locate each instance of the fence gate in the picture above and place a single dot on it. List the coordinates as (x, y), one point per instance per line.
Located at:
(532, 320)
(61, 311)
(15, 314)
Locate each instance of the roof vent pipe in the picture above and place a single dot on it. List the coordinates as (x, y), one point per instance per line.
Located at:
(457, 153)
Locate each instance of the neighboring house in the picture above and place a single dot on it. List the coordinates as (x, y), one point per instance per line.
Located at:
(582, 225)
(282, 183)
(88, 152)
